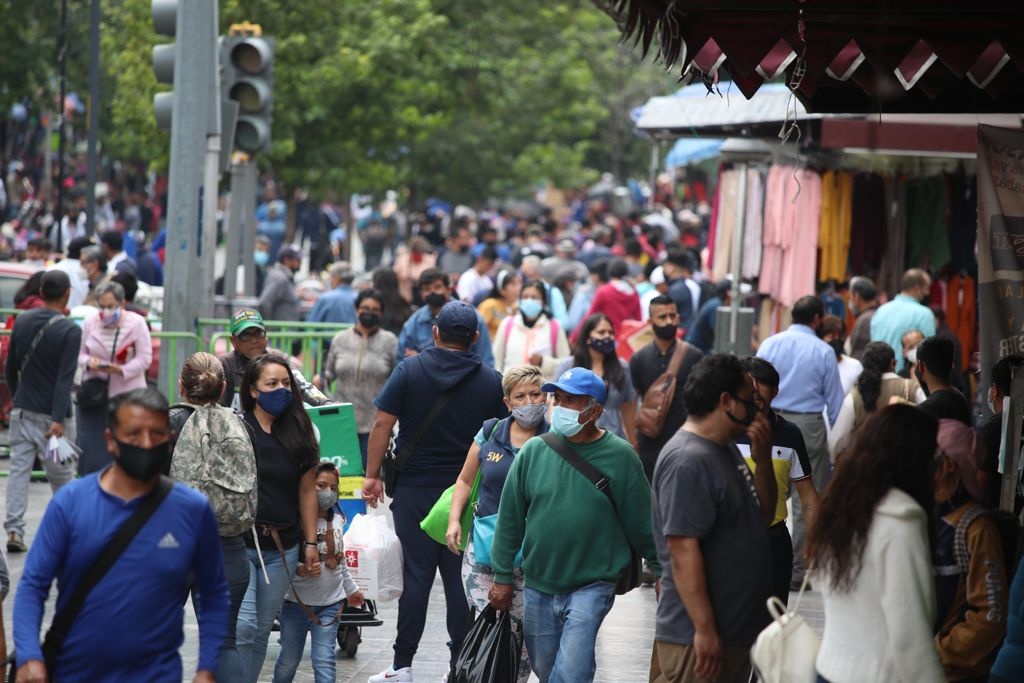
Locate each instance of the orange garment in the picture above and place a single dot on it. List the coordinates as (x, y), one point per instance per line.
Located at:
(836, 221)
(961, 314)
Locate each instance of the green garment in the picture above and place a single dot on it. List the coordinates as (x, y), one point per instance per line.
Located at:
(567, 528)
(927, 222)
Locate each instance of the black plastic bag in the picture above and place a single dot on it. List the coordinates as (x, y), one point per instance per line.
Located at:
(490, 651)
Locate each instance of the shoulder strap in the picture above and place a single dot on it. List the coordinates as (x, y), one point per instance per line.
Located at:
(960, 551)
(553, 324)
(508, 323)
(677, 358)
(35, 342)
(402, 456)
(570, 455)
(63, 620)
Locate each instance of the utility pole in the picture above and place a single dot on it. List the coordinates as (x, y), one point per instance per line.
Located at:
(193, 69)
(94, 115)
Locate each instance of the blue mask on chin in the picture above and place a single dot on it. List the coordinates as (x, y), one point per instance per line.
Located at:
(275, 402)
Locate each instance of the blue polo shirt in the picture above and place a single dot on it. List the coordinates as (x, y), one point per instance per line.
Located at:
(901, 315)
(335, 306)
(418, 334)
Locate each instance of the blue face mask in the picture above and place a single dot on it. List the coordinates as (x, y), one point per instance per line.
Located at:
(565, 421)
(262, 258)
(275, 402)
(530, 308)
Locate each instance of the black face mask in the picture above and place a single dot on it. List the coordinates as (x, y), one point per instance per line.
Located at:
(435, 300)
(664, 332)
(751, 415)
(369, 320)
(143, 463)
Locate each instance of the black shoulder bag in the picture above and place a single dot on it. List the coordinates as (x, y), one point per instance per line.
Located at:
(93, 392)
(631, 575)
(395, 459)
(62, 621)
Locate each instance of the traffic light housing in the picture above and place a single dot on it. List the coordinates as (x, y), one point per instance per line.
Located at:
(165, 23)
(247, 77)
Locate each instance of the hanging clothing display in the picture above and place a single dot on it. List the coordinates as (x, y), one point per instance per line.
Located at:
(870, 233)
(891, 270)
(753, 225)
(927, 223)
(792, 211)
(836, 221)
(963, 222)
(961, 314)
(728, 221)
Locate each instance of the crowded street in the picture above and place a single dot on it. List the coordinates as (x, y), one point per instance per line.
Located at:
(533, 341)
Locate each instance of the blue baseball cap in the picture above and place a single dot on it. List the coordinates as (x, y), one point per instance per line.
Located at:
(457, 318)
(579, 382)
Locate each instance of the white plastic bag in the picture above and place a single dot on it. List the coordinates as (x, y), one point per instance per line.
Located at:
(374, 557)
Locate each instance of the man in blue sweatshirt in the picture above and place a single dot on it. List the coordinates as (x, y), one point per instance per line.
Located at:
(447, 368)
(130, 626)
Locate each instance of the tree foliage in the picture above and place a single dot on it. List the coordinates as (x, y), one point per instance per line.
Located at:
(457, 98)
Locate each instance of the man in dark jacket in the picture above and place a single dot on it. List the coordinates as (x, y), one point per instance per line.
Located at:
(40, 370)
(467, 391)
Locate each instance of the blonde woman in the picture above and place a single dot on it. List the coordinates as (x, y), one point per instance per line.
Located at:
(491, 455)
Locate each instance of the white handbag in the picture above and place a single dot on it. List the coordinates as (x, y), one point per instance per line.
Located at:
(786, 650)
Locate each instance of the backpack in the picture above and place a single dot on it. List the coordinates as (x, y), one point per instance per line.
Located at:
(1009, 534)
(654, 406)
(510, 322)
(214, 454)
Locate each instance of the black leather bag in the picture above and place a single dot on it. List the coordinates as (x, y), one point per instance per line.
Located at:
(92, 393)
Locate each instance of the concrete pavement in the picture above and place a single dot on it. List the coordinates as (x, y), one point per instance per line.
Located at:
(623, 648)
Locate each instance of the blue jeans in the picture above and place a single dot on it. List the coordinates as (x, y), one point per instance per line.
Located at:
(294, 626)
(260, 605)
(561, 631)
(236, 573)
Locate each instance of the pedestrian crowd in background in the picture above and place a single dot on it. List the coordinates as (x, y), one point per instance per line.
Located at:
(520, 361)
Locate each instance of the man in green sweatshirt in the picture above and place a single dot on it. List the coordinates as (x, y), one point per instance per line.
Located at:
(574, 542)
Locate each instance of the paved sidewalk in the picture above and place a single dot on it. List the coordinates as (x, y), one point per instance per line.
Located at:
(623, 648)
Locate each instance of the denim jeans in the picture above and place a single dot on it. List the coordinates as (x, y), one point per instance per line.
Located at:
(260, 605)
(561, 631)
(236, 573)
(294, 626)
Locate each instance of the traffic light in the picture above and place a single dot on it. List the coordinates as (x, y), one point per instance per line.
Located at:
(165, 14)
(247, 77)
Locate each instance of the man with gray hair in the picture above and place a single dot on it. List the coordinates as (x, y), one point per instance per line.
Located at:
(905, 312)
(338, 305)
(40, 369)
(863, 304)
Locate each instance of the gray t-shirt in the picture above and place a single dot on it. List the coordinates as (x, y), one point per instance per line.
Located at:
(704, 491)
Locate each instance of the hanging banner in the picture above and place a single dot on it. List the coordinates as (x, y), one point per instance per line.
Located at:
(1000, 245)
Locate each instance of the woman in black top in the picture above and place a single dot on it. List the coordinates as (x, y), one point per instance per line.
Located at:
(286, 512)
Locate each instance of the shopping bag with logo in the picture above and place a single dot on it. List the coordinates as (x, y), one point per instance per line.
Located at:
(374, 556)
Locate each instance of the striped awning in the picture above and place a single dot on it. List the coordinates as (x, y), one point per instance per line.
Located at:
(846, 56)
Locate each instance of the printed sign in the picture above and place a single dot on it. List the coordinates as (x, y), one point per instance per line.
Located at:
(364, 572)
(1000, 244)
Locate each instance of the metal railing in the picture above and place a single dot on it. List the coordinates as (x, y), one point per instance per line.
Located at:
(310, 347)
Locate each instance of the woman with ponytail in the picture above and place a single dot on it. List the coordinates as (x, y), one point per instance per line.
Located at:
(877, 387)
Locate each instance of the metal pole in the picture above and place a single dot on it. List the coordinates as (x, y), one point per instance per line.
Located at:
(248, 226)
(737, 256)
(94, 114)
(1011, 442)
(194, 65)
(653, 178)
(62, 52)
(208, 240)
(234, 230)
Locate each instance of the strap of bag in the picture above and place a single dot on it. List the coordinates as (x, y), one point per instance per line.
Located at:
(63, 620)
(113, 348)
(310, 614)
(35, 342)
(593, 474)
(402, 454)
(678, 355)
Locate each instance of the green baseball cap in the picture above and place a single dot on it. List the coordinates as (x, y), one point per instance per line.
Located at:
(244, 319)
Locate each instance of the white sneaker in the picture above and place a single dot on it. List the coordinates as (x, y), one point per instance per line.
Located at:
(389, 675)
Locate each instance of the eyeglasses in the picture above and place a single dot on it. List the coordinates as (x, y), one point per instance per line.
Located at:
(252, 335)
(750, 405)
